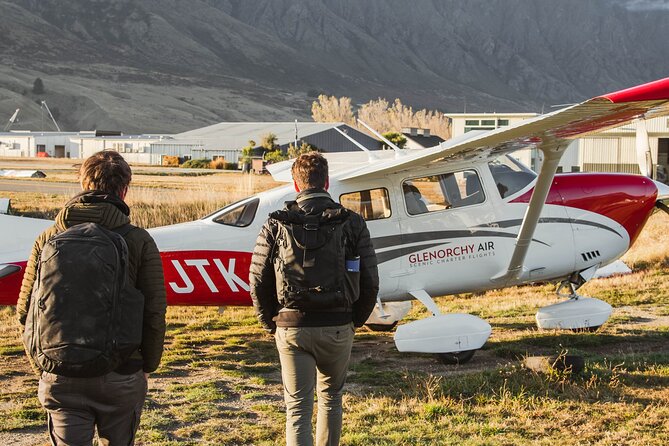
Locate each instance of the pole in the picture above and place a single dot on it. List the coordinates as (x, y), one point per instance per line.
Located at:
(296, 148)
(50, 115)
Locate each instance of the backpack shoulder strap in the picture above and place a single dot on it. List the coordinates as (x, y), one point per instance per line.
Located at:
(335, 215)
(289, 214)
(123, 230)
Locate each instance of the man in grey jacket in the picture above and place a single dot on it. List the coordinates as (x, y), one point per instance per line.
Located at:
(314, 340)
(113, 402)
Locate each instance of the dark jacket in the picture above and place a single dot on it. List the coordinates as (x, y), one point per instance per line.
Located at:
(145, 269)
(262, 275)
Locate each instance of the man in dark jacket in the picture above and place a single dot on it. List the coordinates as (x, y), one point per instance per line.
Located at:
(314, 344)
(112, 402)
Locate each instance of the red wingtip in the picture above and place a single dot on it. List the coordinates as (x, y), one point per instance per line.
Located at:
(652, 91)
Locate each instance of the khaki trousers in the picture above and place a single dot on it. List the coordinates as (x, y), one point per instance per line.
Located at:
(75, 406)
(314, 357)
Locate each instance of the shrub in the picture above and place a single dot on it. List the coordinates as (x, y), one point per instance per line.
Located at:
(231, 166)
(203, 163)
(396, 138)
(218, 163)
(305, 147)
(275, 156)
(170, 161)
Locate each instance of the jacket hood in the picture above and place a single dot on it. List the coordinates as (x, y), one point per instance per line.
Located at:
(94, 206)
(315, 201)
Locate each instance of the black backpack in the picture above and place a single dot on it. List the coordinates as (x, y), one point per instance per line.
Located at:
(310, 261)
(85, 318)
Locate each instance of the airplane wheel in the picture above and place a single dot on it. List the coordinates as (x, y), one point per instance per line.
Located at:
(381, 327)
(456, 358)
(586, 329)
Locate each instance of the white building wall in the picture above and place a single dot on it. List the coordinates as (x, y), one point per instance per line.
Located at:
(135, 149)
(612, 150)
(599, 152)
(570, 158)
(459, 120)
(16, 145)
(89, 146)
(27, 144)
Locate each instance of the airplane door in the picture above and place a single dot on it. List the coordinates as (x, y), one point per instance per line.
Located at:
(377, 207)
(444, 247)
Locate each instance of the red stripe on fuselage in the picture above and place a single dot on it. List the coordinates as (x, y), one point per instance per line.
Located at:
(626, 199)
(207, 277)
(10, 286)
(216, 278)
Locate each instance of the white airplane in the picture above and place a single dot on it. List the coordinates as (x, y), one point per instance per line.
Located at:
(460, 217)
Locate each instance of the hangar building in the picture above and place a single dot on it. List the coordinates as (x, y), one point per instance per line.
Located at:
(612, 150)
(219, 140)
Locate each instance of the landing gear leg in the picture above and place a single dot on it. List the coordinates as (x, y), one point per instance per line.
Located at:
(386, 315)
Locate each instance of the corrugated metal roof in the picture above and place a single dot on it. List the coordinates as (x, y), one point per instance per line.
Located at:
(235, 135)
(425, 141)
(33, 134)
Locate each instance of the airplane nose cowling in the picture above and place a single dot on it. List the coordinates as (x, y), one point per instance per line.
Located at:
(626, 199)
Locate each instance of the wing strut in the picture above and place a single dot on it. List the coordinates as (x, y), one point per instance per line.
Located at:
(398, 151)
(370, 154)
(552, 154)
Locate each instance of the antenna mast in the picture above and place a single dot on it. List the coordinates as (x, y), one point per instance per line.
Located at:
(12, 120)
(50, 115)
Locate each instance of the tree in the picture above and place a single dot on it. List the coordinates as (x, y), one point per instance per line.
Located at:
(396, 138)
(245, 159)
(269, 142)
(375, 114)
(305, 147)
(247, 151)
(275, 156)
(332, 109)
(380, 115)
(383, 117)
(273, 153)
(38, 86)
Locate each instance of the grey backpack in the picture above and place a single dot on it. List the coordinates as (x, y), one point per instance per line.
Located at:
(85, 318)
(310, 261)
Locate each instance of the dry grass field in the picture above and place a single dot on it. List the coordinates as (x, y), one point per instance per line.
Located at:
(219, 381)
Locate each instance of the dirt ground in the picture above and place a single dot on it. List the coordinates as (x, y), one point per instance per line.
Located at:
(231, 351)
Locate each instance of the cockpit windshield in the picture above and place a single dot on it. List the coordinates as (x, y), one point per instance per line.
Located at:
(510, 175)
(239, 214)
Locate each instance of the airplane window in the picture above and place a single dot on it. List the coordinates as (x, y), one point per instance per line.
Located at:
(372, 204)
(238, 214)
(510, 175)
(445, 191)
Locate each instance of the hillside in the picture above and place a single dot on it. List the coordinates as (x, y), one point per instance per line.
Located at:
(172, 65)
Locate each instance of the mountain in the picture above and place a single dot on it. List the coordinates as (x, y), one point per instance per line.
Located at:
(173, 65)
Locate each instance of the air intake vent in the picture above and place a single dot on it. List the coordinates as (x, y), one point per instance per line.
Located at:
(590, 255)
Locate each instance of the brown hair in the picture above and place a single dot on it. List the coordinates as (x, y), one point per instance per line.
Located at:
(106, 171)
(310, 171)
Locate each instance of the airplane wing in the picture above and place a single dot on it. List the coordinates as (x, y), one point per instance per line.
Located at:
(550, 133)
(553, 129)
(22, 233)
